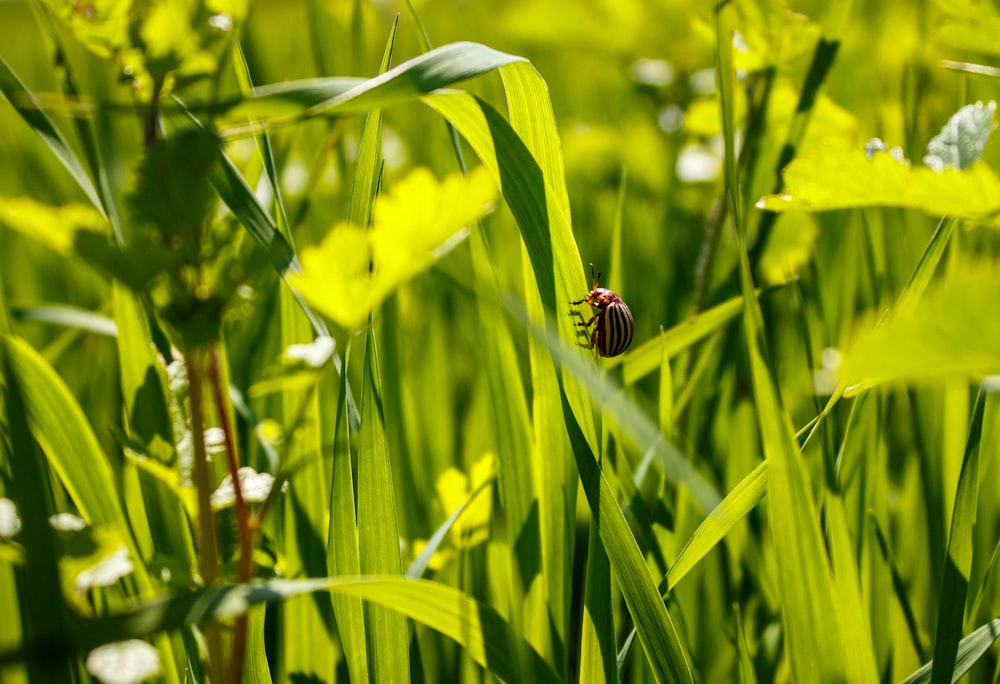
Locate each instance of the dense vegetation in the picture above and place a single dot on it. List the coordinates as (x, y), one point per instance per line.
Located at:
(296, 246)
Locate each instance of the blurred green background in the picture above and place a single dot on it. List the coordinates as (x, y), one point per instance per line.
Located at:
(633, 91)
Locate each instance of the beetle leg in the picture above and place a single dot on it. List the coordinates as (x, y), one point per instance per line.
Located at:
(593, 341)
(590, 322)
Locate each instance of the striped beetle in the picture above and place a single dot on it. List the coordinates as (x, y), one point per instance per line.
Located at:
(613, 333)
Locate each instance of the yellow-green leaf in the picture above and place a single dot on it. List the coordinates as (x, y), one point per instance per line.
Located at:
(839, 178)
(954, 332)
(353, 270)
(54, 227)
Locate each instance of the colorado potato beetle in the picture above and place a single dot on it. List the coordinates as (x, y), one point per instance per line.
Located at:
(614, 327)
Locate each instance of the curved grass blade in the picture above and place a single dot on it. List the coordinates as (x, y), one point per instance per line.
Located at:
(969, 651)
(30, 110)
(66, 316)
(812, 612)
(484, 634)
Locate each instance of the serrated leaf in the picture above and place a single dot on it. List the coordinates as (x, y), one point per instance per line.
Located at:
(353, 270)
(839, 178)
(962, 140)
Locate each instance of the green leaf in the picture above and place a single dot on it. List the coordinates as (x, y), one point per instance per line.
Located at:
(54, 227)
(970, 650)
(962, 140)
(958, 564)
(413, 226)
(30, 110)
(644, 359)
(735, 507)
(439, 68)
(954, 333)
(812, 611)
(838, 178)
(378, 535)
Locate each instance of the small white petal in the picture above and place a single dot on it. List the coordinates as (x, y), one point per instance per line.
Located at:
(315, 354)
(255, 487)
(67, 522)
(107, 572)
(124, 662)
(10, 521)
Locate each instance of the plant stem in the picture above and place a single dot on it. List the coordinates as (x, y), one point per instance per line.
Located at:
(245, 527)
(208, 560)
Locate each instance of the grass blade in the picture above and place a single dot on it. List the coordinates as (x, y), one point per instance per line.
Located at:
(958, 565)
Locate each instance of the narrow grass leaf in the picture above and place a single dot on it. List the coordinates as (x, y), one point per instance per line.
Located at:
(438, 68)
(598, 655)
(748, 675)
(378, 536)
(342, 540)
(67, 317)
(738, 503)
(958, 564)
(69, 443)
(42, 623)
(645, 358)
(812, 616)
(665, 652)
(30, 110)
(900, 589)
(970, 650)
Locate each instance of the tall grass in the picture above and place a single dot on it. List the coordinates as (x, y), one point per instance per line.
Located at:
(292, 389)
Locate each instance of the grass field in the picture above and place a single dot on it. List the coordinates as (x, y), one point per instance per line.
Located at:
(329, 250)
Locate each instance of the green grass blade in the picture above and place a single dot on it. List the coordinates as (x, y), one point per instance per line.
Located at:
(958, 565)
(342, 540)
(65, 316)
(812, 614)
(378, 536)
(598, 656)
(644, 359)
(30, 110)
(483, 632)
(735, 507)
(970, 650)
(899, 588)
(665, 652)
(43, 625)
(69, 443)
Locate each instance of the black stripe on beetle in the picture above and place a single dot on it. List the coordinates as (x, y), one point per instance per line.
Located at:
(613, 323)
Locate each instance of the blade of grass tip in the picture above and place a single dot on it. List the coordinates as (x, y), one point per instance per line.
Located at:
(419, 565)
(738, 503)
(30, 110)
(342, 540)
(812, 614)
(900, 589)
(366, 172)
(378, 536)
(970, 650)
(958, 562)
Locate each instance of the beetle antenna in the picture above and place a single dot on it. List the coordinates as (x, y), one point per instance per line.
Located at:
(595, 278)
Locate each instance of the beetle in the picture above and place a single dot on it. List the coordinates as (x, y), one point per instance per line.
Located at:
(613, 333)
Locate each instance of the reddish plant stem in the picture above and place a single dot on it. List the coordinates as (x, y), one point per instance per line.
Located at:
(246, 526)
(208, 559)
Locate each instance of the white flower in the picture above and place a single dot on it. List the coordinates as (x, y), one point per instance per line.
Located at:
(314, 354)
(107, 572)
(10, 522)
(255, 487)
